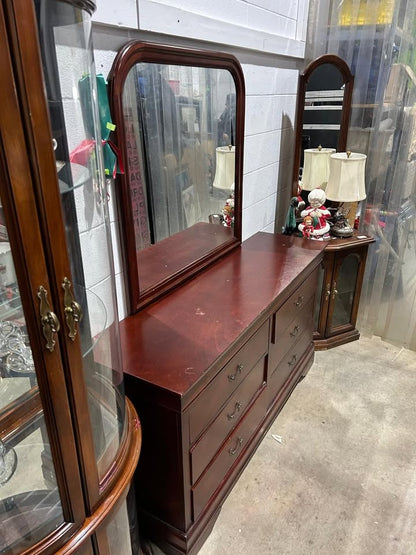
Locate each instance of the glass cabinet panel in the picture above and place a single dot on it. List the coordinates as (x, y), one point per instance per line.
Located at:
(30, 506)
(318, 297)
(344, 288)
(65, 40)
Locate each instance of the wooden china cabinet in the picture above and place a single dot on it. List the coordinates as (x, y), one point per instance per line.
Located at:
(69, 438)
(340, 281)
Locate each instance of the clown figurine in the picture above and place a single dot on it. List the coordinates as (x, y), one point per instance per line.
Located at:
(319, 214)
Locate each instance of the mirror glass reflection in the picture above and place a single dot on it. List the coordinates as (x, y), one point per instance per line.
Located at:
(324, 97)
(322, 116)
(180, 133)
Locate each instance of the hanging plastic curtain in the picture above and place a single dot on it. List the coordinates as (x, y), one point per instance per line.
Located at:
(377, 39)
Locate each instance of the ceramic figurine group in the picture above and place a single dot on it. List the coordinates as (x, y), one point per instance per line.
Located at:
(315, 225)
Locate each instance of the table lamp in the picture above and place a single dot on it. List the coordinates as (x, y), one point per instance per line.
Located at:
(315, 168)
(346, 184)
(225, 169)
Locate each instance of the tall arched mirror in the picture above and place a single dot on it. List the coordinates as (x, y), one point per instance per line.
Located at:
(179, 116)
(323, 110)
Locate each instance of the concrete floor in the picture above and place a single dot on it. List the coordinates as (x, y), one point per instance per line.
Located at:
(336, 473)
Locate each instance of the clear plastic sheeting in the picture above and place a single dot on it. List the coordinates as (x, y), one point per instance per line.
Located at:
(377, 40)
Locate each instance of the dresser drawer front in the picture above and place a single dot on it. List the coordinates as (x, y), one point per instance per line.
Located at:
(286, 338)
(209, 443)
(288, 367)
(210, 401)
(294, 305)
(230, 454)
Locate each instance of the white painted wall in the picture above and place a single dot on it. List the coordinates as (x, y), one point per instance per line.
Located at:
(268, 38)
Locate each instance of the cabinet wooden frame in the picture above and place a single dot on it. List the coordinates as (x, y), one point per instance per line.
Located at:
(32, 211)
(326, 334)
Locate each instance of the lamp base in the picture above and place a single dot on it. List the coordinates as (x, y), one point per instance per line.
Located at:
(341, 226)
(342, 232)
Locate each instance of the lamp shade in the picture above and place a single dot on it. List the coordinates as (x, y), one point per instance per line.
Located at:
(316, 168)
(225, 168)
(346, 181)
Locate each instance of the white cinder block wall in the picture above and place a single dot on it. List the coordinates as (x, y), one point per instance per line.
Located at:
(268, 38)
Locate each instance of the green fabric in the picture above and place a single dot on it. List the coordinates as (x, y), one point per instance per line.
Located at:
(290, 224)
(106, 124)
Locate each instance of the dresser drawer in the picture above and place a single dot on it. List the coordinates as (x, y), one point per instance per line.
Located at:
(285, 338)
(287, 367)
(294, 305)
(210, 401)
(231, 452)
(209, 443)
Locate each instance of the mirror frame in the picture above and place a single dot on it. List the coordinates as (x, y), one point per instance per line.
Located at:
(348, 80)
(132, 53)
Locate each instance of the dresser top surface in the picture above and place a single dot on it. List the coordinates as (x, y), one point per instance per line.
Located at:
(173, 342)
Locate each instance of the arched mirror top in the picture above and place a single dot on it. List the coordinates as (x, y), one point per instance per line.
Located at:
(323, 109)
(179, 116)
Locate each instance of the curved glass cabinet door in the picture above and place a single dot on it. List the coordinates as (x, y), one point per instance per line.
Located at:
(65, 41)
(69, 439)
(30, 505)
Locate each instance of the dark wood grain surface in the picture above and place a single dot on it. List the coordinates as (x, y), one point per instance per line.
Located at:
(173, 342)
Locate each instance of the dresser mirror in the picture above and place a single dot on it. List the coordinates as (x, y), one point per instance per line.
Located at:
(179, 117)
(323, 109)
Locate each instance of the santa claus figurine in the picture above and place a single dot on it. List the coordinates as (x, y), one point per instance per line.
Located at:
(319, 228)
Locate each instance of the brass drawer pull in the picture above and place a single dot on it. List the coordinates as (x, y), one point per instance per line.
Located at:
(292, 361)
(295, 331)
(237, 409)
(73, 311)
(299, 301)
(48, 319)
(232, 377)
(237, 446)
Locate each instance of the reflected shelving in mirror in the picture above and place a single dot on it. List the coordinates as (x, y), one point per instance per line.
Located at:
(323, 110)
(179, 116)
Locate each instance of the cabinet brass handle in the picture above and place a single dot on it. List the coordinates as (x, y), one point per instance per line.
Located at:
(334, 290)
(48, 319)
(328, 291)
(237, 446)
(237, 409)
(299, 301)
(232, 377)
(293, 360)
(72, 309)
(295, 331)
